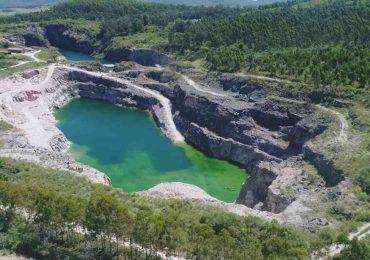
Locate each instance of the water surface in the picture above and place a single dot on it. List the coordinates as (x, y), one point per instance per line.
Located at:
(78, 56)
(129, 147)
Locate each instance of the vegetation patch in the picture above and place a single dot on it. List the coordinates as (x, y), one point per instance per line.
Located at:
(4, 126)
(28, 66)
(153, 37)
(7, 60)
(359, 250)
(175, 227)
(49, 55)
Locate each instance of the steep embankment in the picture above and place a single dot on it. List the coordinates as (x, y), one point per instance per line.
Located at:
(64, 37)
(74, 37)
(144, 57)
(134, 96)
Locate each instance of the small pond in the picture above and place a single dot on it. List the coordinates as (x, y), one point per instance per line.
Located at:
(78, 56)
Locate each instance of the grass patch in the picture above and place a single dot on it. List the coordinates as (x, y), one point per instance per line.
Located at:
(7, 60)
(4, 126)
(14, 29)
(25, 67)
(153, 37)
(80, 29)
(49, 55)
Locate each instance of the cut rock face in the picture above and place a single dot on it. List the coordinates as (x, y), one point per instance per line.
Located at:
(267, 187)
(30, 95)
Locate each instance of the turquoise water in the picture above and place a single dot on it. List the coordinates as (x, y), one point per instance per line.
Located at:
(129, 147)
(78, 56)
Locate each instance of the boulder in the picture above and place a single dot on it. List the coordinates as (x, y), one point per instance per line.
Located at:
(30, 74)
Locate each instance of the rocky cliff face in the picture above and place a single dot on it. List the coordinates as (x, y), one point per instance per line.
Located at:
(28, 39)
(57, 35)
(70, 83)
(331, 174)
(69, 38)
(248, 119)
(104, 89)
(142, 56)
(259, 192)
(60, 36)
(34, 36)
(269, 137)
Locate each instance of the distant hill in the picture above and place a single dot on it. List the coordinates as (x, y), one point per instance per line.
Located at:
(37, 3)
(241, 3)
(28, 3)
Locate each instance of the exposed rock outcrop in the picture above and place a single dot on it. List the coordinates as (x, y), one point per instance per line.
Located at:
(60, 36)
(331, 174)
(144, 57)
(33, 36)
(19, 39)
(33, 39)
(264, 192)
(265, 128)
(103, 89)
(30, 74)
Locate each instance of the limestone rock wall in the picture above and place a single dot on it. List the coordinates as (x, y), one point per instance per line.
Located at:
(60, 36)
(142, 56)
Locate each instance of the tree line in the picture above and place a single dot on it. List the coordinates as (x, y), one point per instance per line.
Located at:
(325, 44)
(119, 17)
(55, 215)
(339, 65)
(287, 26)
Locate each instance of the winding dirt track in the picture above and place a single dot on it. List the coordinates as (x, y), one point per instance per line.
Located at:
(335, 249)
(342, 136)
(200, 89)
(33, 56)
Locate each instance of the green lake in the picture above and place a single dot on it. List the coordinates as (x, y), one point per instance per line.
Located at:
(129, 147)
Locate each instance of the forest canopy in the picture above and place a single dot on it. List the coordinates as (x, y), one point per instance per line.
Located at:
(43, 210)
(322, 42)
